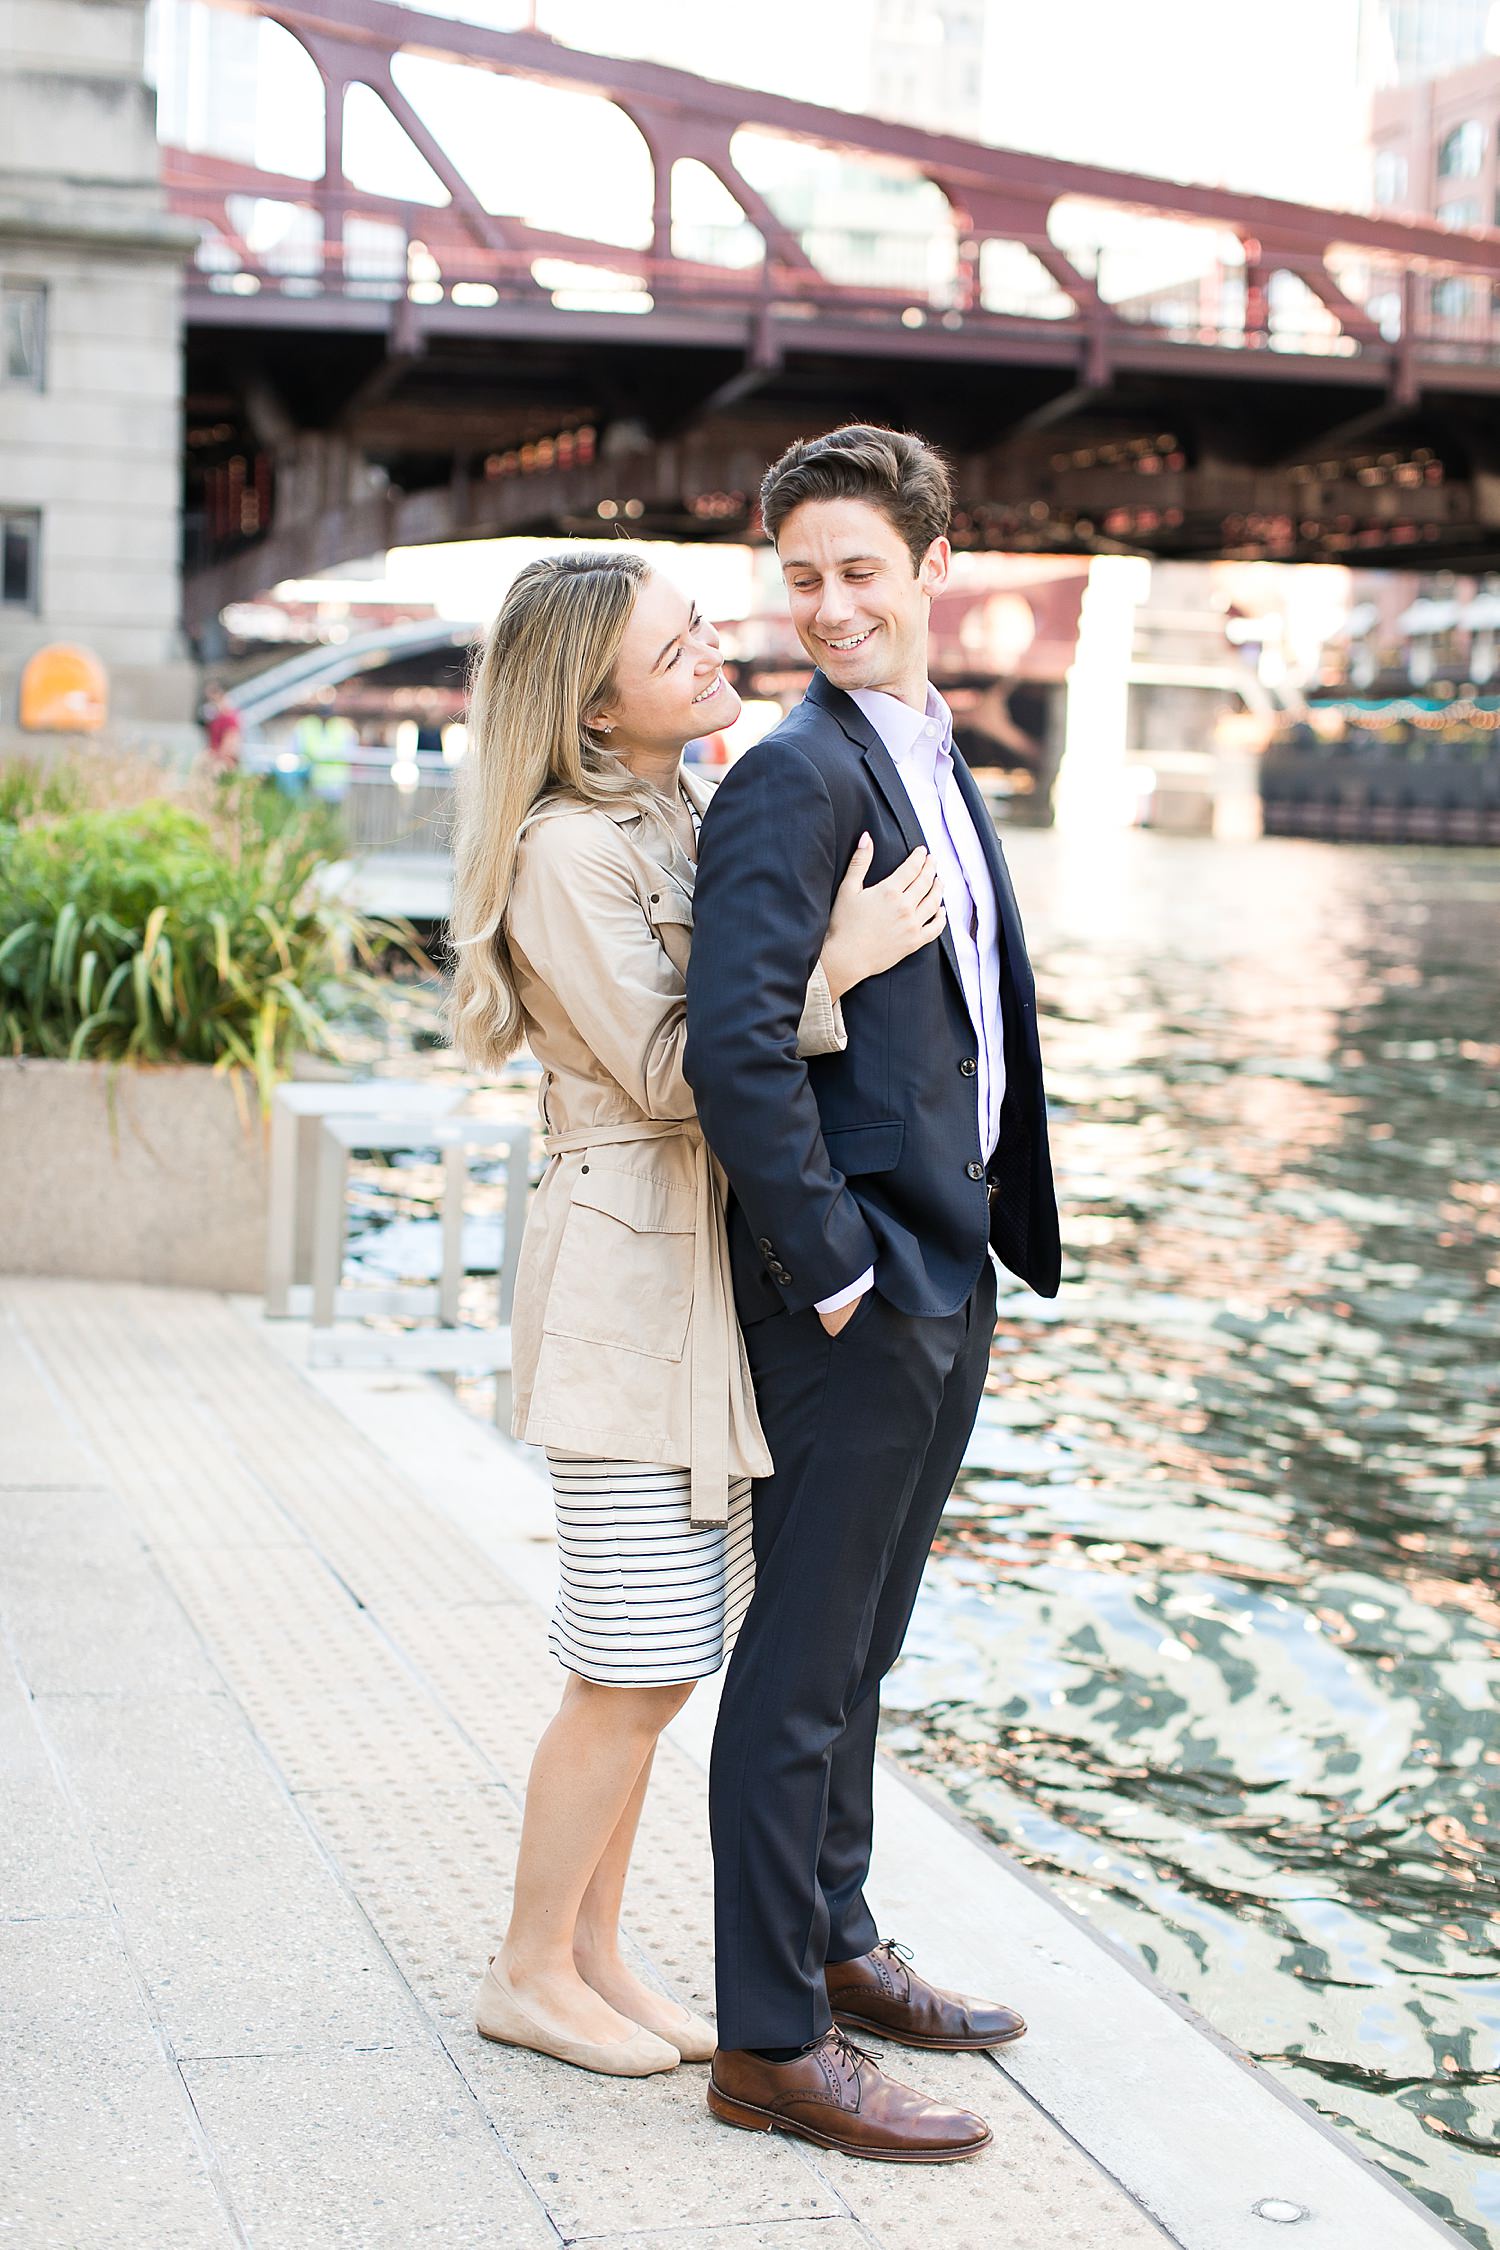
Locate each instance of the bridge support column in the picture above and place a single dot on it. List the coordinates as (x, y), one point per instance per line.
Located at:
(1091, 791)
(90, 371)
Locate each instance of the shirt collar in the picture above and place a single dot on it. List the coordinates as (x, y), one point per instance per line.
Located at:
(902, 729)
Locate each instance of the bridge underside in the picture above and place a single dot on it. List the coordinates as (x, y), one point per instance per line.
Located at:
(338, 441)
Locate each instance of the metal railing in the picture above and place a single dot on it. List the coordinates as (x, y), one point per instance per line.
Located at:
(386, 803)
(1453, 316)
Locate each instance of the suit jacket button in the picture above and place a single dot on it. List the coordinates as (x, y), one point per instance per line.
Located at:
(975, 1171)
(766, 1249)
(969, 1067)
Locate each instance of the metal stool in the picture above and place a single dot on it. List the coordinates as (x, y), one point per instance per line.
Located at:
(447, 1348)
(295, 1114)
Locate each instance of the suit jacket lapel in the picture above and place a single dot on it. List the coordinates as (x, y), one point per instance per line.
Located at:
(883, 772)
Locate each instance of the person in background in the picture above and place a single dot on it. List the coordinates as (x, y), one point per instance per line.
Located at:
(328, 767)
(224, 732)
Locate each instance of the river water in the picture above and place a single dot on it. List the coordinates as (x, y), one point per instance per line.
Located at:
(1210, 1634)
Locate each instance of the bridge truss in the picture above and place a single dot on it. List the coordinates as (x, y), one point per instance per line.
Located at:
(367, 370)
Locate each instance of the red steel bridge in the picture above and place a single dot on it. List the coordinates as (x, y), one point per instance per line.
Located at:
(1116, 363)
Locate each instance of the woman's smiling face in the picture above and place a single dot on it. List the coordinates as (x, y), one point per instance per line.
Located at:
(669, 682)
(859, 603)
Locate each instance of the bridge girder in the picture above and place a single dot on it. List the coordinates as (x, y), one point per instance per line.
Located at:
(349, 413)
(1047, 493)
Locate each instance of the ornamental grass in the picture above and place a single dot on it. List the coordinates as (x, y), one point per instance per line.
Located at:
(150, 919)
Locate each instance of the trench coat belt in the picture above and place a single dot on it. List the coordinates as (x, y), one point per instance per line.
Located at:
(709, 1339)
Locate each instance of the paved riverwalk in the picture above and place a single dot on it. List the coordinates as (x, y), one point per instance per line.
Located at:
(274, 1661)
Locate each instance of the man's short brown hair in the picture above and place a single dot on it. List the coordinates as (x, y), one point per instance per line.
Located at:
(901, 475)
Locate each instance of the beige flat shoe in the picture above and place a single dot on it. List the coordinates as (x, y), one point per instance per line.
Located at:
(694, 2037)
(498, 2015)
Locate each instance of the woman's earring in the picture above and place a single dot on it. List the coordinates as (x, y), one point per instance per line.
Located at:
(602, 726)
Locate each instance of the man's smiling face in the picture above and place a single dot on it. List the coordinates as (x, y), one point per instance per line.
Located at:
(858, 602)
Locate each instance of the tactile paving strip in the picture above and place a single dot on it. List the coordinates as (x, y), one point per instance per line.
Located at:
(434, 1876)
(399, 1682)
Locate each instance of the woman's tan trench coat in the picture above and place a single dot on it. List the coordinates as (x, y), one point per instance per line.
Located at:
(625, 1344)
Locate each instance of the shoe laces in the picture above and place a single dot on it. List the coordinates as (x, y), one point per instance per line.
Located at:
(900, 1955)
(845, 2048)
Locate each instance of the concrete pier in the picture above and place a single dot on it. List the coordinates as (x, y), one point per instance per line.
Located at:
(274, 1661)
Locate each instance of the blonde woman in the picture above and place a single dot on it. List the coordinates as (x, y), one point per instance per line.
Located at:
(575, 855)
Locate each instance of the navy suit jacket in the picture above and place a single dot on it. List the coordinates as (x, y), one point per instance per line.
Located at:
(870, 1157)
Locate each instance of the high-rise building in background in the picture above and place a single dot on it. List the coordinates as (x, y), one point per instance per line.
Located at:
(1403, 42)
(1434, 149)
(927, 63)
(924, 66)
(205, 65)
(916, 62)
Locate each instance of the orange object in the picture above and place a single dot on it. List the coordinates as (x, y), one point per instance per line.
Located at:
(64, 690)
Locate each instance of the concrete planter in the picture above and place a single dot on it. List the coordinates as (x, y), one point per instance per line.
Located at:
(131, 1175)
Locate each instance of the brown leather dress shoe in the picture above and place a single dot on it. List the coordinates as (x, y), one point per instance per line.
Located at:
(838, 2096)
(880, 1992)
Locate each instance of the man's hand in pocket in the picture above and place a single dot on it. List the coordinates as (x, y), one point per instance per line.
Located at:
(834, 1322)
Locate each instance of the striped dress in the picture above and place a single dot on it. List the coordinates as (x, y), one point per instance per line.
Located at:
(644, 1599)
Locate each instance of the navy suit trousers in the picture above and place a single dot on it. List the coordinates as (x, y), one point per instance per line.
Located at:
(867, 1430)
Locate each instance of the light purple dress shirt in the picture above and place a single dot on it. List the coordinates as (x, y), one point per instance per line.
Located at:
(921, 748)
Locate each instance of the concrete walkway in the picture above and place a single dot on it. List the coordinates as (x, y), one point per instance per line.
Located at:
(274, 1663)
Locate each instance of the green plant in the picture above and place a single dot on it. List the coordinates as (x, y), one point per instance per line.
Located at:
(27, 789)
(267, 811)
(154, 933)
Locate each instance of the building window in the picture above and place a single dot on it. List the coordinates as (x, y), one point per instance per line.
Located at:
(1452, 299)
(1463, 213)
(1390, 176)
(23, 307)
(1385, 311)
(20, 558)
(1461, 152)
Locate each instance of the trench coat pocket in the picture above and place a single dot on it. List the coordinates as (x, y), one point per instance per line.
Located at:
(624, 1273)
(865, 1148)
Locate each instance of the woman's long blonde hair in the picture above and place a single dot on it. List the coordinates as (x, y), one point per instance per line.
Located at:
(547, 663)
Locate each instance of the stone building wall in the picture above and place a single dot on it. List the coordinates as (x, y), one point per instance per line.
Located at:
(93, 451)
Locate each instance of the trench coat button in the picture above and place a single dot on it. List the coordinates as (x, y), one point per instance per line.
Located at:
(975, 1171)
(583, 1167)
(969, 1067)
(656, 898)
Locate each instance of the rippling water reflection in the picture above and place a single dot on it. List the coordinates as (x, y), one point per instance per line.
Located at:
(1210, 1634)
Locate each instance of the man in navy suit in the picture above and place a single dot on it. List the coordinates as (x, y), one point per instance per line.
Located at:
(869, 1188)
